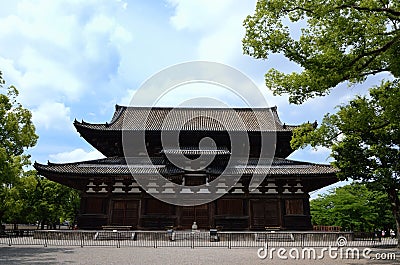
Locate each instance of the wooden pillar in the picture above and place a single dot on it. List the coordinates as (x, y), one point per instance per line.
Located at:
(281, 211)
(211, 211)
(306, 205)
(178, 212)
(141, 210)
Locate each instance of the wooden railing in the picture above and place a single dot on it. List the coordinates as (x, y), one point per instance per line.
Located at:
(327, 228)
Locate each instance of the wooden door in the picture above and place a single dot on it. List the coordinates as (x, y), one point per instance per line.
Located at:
(198, 214)
(264, 213)
(125, 212)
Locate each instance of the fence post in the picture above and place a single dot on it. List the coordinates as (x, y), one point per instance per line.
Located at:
(45, 239)
(229, 241)
(9, 240)
(82, 240)
(118, 241)
(155, 239)
(373, 242)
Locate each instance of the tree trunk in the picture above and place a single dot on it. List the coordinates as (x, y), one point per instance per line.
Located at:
(2, 228)
(395, 202)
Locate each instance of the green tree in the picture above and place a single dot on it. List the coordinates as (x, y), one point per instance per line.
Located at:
(17, 133)
(341, 41)
(54, 202)
(364, 136)
(353, 207)
(33, 198)
(19, 200)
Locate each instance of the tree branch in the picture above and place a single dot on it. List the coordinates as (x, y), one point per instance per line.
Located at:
(380, 50)
(334, 137)
(387, 10)
(389, 33)
(381, 126)
(375, 72)
(298, 8)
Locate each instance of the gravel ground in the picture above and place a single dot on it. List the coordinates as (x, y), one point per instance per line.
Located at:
(134, 255)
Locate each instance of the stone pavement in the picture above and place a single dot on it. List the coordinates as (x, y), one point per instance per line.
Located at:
(22, 255)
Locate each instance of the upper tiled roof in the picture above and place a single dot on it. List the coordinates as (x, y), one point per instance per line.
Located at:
(191, 119)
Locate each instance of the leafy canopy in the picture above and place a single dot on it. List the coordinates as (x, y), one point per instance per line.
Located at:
(17, 133)
(364, 136)
(353, 207)
(343, 40)
(33, 198)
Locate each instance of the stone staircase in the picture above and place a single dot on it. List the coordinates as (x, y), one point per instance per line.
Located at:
(274, 237)
(115, 235)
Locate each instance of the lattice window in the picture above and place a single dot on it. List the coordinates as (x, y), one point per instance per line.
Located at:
(230, 207)
(154, 206)
(294, 207)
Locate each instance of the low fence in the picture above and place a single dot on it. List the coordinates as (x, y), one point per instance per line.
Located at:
(327, 228)
(212, 238)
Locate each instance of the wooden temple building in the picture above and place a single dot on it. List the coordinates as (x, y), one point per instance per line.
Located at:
(110, 196)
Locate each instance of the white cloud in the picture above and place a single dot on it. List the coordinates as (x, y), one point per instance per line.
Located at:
(224, 44)
(45, 74)
(52, 115)
(272, 100)
(126, 100)
(61, 50)
(318, 155)
(124, 4)
(10, 72)
(75, 155)
(320, 150)
(101, 33)
(200, 95)
(220, 23)
(206, 14)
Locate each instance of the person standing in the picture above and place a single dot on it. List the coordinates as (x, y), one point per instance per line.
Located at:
(392, 233)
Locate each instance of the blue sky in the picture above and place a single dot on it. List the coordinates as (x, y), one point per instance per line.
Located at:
(78, 58)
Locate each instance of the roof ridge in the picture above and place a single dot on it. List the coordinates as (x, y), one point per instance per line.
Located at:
(118, 107)
(74, 163)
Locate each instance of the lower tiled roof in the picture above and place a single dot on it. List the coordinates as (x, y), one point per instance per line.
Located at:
(144, 166)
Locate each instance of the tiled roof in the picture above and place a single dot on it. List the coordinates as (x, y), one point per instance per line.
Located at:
(191, 119)
(140, 166)
(295, 170)
(109, 166)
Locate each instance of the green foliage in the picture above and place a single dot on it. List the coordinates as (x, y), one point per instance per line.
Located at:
(17, 133)
(342, 41)
(56, 202)
(353, 207)
(19, 200)
(26, 197)
(34, 198)
(364, 136)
